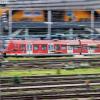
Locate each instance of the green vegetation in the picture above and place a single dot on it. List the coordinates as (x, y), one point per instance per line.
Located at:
(49, 72)
(33, 58)
(19, 58)
(16, 80)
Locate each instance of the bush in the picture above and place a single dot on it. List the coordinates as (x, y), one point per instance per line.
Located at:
(16, 80)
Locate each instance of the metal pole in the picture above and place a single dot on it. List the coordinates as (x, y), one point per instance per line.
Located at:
(26, 34)
(49, 24)
(1, 31)
(10, 21)
(92, 20)
(73, 17)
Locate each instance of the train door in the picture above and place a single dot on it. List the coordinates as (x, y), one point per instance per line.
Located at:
(77, 49)
(50, 48)
(40, 49)
(91, 49)
(36, 48)
(58, 48)
(84, 49)
(22, 48)
(29, 49)
(61, 48)
(70, 49)
(97, 50)
(43, 48)
(64, 48)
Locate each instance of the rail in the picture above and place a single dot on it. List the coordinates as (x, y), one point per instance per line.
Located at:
(53, 90)
(48, 80)
(50, 64)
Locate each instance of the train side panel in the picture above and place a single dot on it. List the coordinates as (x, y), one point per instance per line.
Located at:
(16, 47)
(50, 47)
(97, 50)
(90, 47)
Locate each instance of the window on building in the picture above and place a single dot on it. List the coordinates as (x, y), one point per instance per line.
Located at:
(37, 12)
(32, 12)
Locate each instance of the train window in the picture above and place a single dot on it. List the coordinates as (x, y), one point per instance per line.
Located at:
(50, 47)
(69, 13)
(76, 46)
(22, 46)
(70, 47)
(92, 47)
(57, 47)
(98, 47)
(84, 47)
(44, 47)
(29, 47)
(36, 46)
(63, 47)
(28, 13)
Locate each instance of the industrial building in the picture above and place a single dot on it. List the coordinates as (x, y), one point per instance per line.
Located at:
(41, 17)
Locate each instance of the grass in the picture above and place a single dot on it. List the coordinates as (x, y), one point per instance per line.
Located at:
(32, 58)
(19, 58)
(49, 72)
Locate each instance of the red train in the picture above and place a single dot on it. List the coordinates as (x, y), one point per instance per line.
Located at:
(52, 47)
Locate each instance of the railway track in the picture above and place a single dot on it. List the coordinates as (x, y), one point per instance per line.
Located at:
(50, 63)
(33, 80)
(52, 87)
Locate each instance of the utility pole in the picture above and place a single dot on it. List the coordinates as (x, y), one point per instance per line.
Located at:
(49, 24)
(26, 34)
(92, 21)
(10, 22)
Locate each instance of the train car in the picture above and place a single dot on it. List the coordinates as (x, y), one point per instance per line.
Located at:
(52, 47)
(78, 16)
(28, 15)
(42, 47)
(90, 47)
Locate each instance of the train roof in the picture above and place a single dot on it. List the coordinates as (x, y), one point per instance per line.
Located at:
(68, 42)
(90, 42)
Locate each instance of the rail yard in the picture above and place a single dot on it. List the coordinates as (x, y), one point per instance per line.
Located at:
(52, 87)
(53, 63)
(49, 49)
